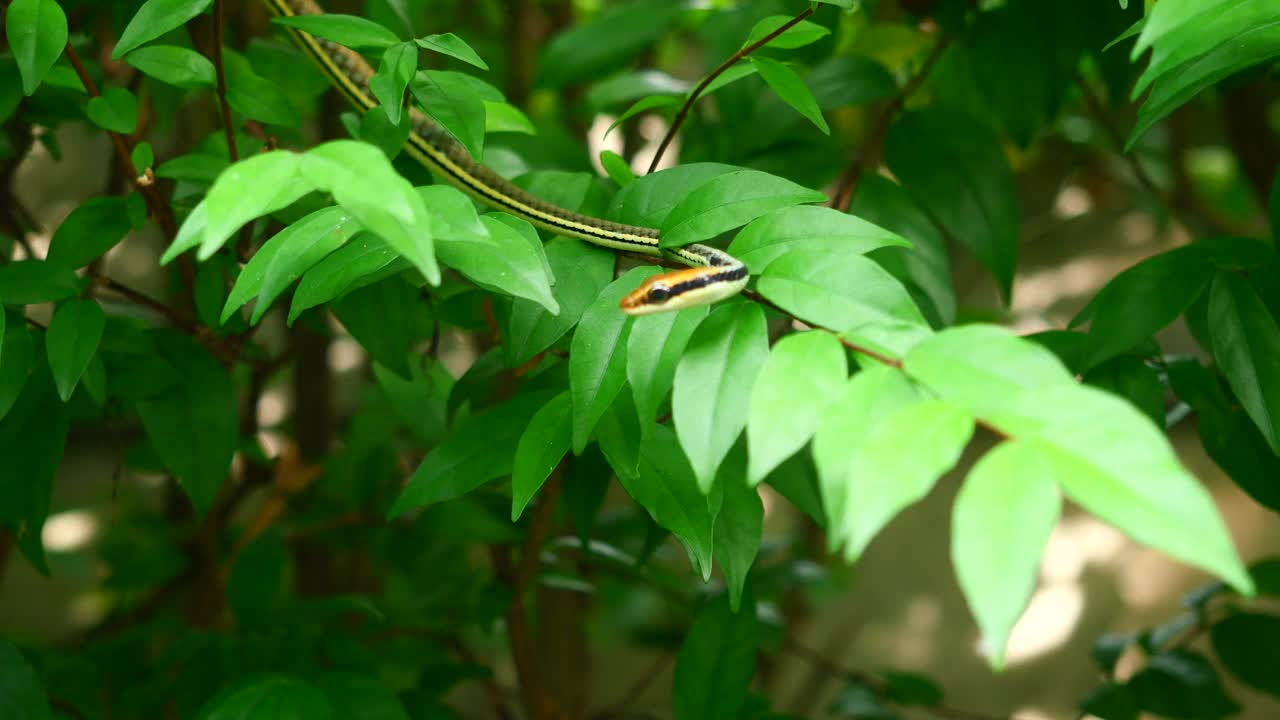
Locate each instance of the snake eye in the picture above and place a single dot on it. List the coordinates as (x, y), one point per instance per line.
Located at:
(659, 293)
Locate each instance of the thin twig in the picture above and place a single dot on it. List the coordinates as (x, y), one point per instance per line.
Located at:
(159, 208)
(870, 150)
(756, 297)
(637, 690)
(175, 317)
(1103, 118)
(724, 66)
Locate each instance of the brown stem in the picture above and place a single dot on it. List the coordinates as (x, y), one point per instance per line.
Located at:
(697, 91)
(1099, 112)
(159, 208)
(175, 317)
(870, 151)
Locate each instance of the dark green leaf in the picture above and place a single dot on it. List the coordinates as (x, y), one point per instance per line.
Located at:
(1246, 344)
(32, 436)
(269, 697)
(728, 201)
(174, 65)
(115, 110)
(606, 42)
(804, 373)
(195, 426)
(27, 282)
(666, 488)
(542, 446)
(1110, 701)
(256, 581)
(738, 526)
(843, 81)
(21, 691)
(791, 88)
(1132, 379)
(356, 696)
(598, 355)
(450, 100)
(349, 30)
(716, 662)
(16, 352)
(531, 328)
(453, 46)
(72, 341)
(911, 689)
(155, 18)
(1006, 509)
(1181, 684)
(37, 32)
(386, 318)
(1248, 644)
(481, 448)
(388, 85)
(89, 231)
(363, 261)
(709, 405)
(955, 167)
(1107, 650)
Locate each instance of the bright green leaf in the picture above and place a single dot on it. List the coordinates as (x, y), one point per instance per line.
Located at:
(791, 88)
(449, 99)
(1000, 525)
(531, 328)
(542, 446)
(253, 187)
(802, 33)
(728, 201)
(115, 110)
(453, 46)
(155, 18)
(807, 227)
(388, 84)
(37, 33)
(654, 347)
(350, 30)
(177, 66)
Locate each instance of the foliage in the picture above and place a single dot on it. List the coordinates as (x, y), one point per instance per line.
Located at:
(381, 549)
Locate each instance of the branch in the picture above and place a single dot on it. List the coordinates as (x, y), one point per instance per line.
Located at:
(137, 298)
(1100, 116)
(870, 151)
(697, 91)
(159, 208)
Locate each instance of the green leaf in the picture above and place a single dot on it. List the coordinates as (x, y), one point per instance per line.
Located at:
(983, 366)
(654, 347)
(449, 98)
(649, 200)
(286, 256)
(605, 43)
(1182, 684)
(27, 282)
(386, 318)
(195, 425)
(1143, 299)
(846, 81)
(955, 167)
(143, 157)
(543, 444)
(1110, 701)
(357, 696)
(797, 36)
(37, 33)
(253, 187)
(363, 181)
(643, 105)
(256, 581)
(1246, 345)
(195, 167)
(632, 85)
(738, 527)
(597, 355)
(16, 353)
(530, 327)
(155, 18)
(453, 46)
(177, 66)
(255, 96)
(501, 117)
(804, 373)
(92, 229)
(364, 260)
(350, 30)
(1134, 380)
(1110, 459)
(807, 227)
(709, 400)
(1000, 525)
(666, 488)
(268, 697)
(925, 268)
(33, 434)
(716, 662)
(1248, 644)
(617, 167)
(791, 88)
(868, 398)
(20, 688)
(388, 85)
(115, 110)
(846, 293)
(913, 445)
(499, 257)
(727, 201)
(479, 449)
(619, 435)
(72, 341)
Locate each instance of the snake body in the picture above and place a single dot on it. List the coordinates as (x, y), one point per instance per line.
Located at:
(712, 275)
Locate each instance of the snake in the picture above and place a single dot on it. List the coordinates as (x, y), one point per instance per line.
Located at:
(710, 275)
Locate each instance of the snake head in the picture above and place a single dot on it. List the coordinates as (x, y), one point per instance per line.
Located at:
(683, 289)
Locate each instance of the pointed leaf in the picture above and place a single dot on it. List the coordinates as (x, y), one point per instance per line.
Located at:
(453, 46)
(72, 341)
(155, 18)
(807, 227)
(716, 662)
(729, 201)
(1246, 344)
(791, 88)
(37, 33)
(349, 30)
(543, 444)
(654, 347)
